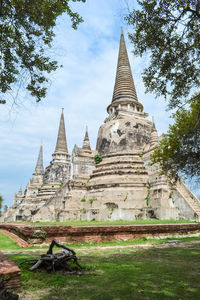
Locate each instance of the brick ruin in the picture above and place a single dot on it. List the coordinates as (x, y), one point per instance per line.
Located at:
(122, 186)
(37, 235)
(9, 272)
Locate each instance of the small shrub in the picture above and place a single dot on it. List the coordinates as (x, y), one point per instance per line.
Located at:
(61, 184)
(147, 198)
(97, 158)
(92, 200)
(7, 277)
(171, 197)
(83, 200)
(148, 187)
(126, 197)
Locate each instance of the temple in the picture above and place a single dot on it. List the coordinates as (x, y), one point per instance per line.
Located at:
(122, 186)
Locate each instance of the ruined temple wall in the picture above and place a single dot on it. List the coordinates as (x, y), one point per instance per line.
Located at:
(57, 172)
(83, 166)
(170, 201)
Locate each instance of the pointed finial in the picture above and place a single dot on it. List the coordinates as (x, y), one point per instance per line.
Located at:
(154, 126)
(86, 132)
(61, 145)
(122, 32)
(20, 190)
(62, 110)
(39, 170)
(86, 142)
(124, 88)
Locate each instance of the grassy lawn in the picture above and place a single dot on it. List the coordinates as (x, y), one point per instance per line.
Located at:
(7, 243)
(102, 223)
(125, 273)
(115, 273)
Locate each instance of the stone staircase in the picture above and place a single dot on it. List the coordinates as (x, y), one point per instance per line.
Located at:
(189, 197)
(48, 190)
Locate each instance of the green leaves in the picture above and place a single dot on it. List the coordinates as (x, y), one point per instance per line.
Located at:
(97, 158)
(179, 150)
(26, 30)
(170, 32)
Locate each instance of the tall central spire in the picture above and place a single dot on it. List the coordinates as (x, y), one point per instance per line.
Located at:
(124, 85)
(61, 145)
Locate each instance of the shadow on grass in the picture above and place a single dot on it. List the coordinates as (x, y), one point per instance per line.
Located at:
(170, 273)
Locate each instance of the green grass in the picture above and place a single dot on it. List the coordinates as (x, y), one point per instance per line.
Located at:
(7, 243)
(117, 273)
(102, 223)
(169, 273)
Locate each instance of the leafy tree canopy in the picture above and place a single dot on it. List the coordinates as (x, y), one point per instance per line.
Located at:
(26, 31)
(168, 30)
(179, 149)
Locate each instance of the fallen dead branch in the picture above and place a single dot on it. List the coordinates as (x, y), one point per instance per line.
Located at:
(65, 260)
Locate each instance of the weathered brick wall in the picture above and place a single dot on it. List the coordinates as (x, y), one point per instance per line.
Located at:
(9, 272)
(110, 233)
(40, 234)
(22, 231)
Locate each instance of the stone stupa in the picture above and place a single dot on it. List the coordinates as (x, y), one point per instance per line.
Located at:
(122, 186)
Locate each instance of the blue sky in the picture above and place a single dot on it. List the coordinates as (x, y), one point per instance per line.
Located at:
(84, 87)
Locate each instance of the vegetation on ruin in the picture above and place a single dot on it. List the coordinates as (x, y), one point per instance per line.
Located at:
(83, 200)
(174, 73)
(126, 197)
(147, 274)
(97, 158)
(99, 223)
(27, 33)
(147, 198)
(92, 200)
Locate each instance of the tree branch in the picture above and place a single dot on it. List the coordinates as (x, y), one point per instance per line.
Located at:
(193, 11)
